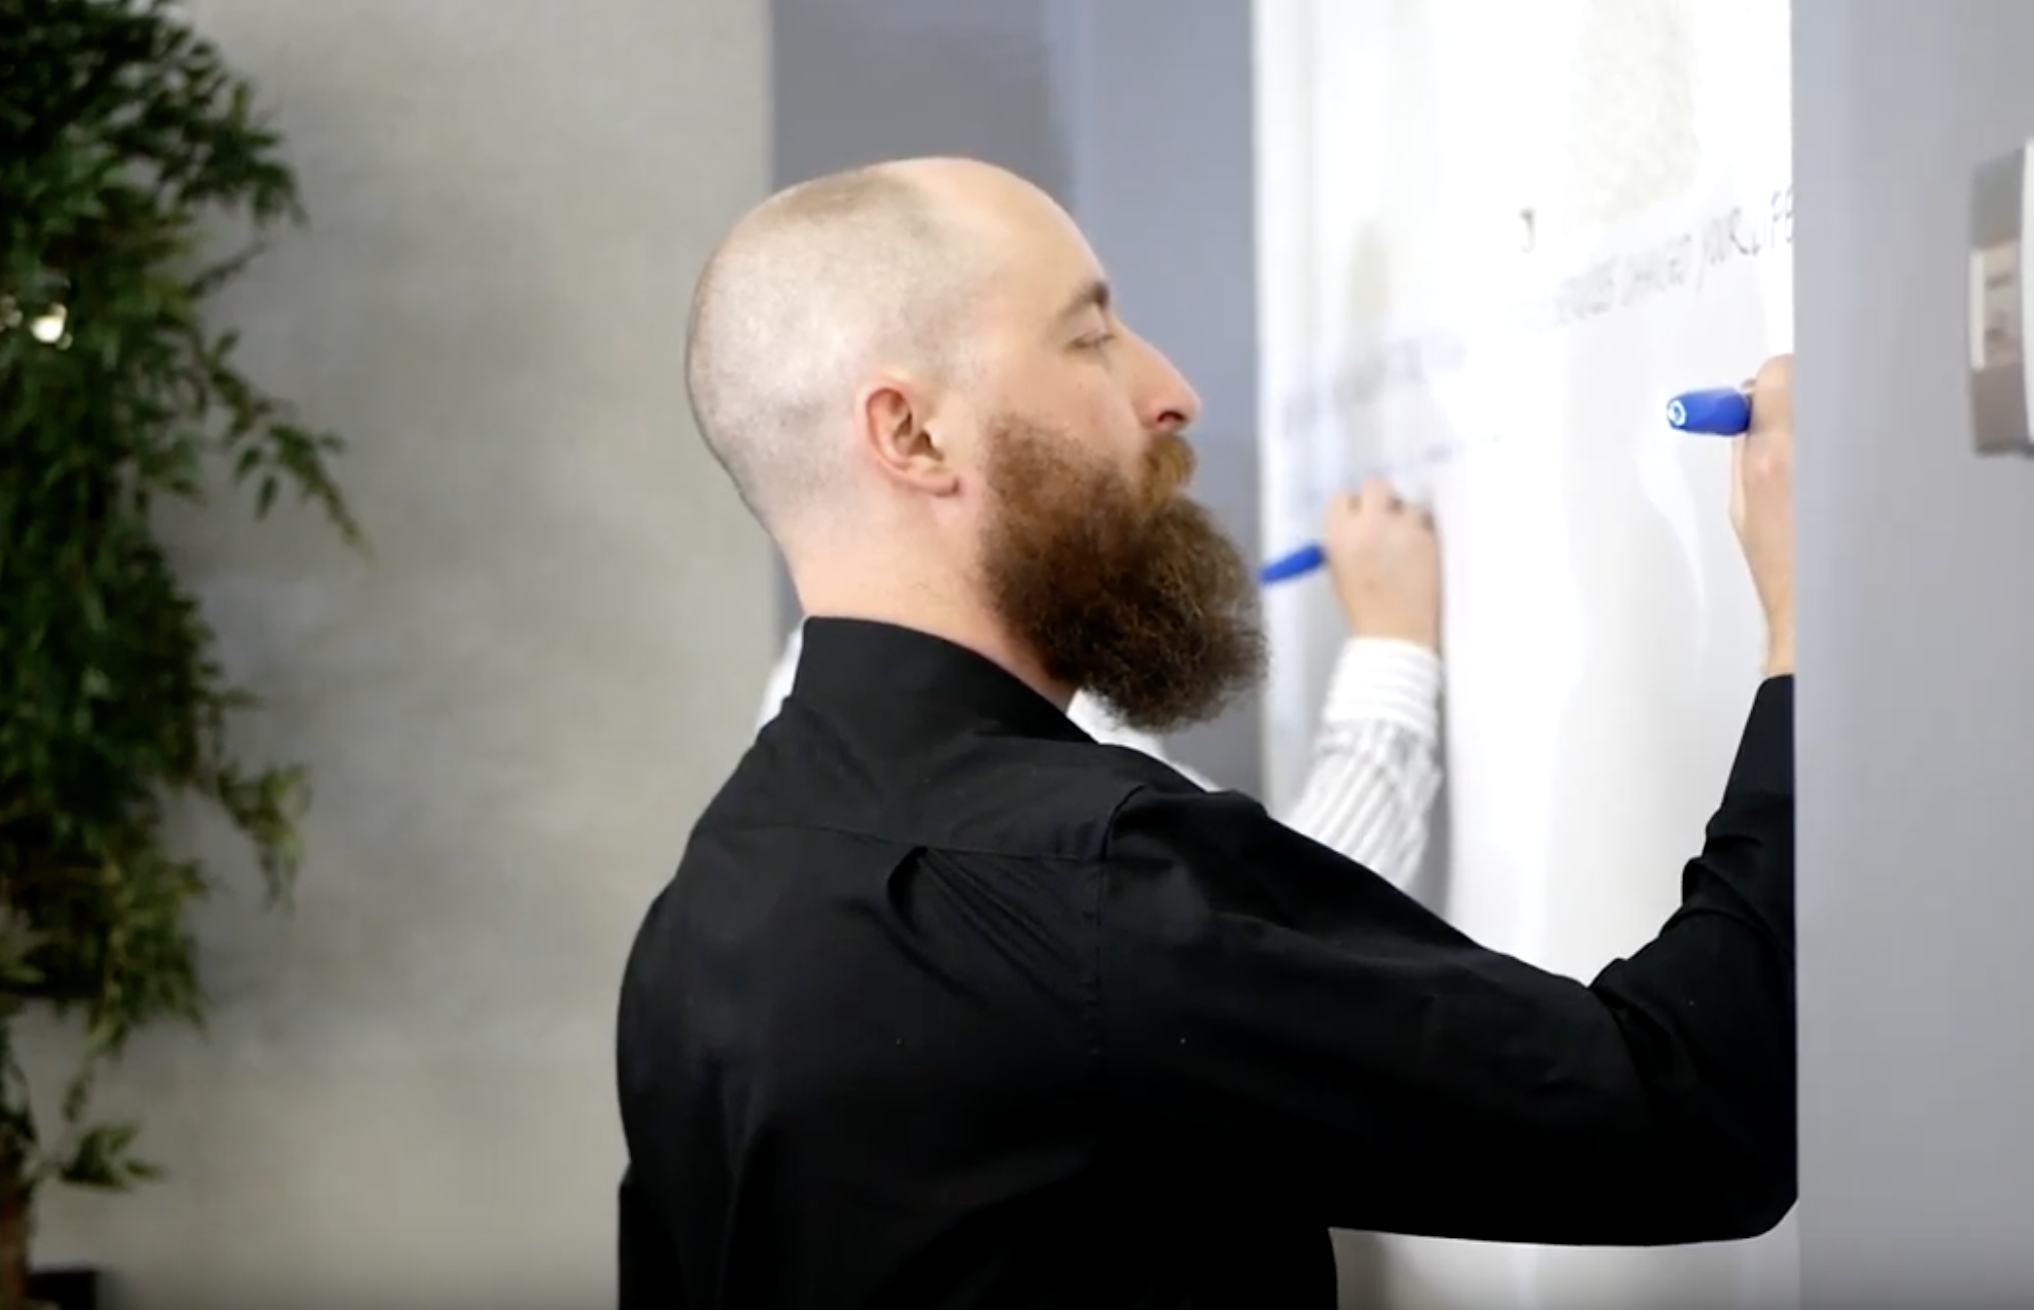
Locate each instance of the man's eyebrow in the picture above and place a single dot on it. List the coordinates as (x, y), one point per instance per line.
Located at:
(1093, 294)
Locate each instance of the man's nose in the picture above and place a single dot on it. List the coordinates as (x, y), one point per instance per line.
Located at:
(1168, 403)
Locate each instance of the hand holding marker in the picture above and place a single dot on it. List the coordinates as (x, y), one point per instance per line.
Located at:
(1715, 412)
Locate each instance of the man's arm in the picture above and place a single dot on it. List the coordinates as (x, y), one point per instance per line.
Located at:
(1376, 767)
(1324, 1041)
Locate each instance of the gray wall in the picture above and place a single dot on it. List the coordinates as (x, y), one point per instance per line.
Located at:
(1915, 724)
(1136, 114)
(514, 711)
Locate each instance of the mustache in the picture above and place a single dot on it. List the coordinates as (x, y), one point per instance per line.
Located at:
(1169, 467)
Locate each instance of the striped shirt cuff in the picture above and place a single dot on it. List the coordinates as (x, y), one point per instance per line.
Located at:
(1396, 682)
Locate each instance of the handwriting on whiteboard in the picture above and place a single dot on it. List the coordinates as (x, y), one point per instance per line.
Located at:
(1682, 262)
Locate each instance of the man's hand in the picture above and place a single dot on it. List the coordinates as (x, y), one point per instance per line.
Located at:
(1762, 504)
(1386, 564)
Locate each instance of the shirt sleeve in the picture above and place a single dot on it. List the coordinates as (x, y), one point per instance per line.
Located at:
(1321, 1038)
(1376, 765)
(781, 678)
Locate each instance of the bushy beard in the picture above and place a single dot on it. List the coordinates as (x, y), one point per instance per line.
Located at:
(1131, 593)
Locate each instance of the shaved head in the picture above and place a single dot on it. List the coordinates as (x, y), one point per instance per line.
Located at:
(812, 291)
(918, 379)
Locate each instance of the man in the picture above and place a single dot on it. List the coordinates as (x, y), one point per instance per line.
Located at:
(1376, 765)
(950, 1006)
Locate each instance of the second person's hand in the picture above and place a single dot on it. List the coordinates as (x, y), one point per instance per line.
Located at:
(1386, 564)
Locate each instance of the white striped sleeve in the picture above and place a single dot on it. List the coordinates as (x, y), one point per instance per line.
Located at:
(1377, 766)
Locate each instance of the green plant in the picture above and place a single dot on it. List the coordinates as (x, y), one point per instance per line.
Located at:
(126, 146)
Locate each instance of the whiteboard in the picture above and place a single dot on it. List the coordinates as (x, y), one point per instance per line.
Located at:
(1494, 238)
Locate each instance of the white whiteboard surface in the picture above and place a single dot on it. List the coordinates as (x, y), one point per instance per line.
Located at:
(1603, 642)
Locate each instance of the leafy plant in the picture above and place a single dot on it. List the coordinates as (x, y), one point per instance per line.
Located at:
(126, 145)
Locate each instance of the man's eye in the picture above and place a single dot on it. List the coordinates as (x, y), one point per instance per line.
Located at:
(1099, 340)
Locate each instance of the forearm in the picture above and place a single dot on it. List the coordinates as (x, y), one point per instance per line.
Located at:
(1376, 767)
(1310, 1025)
(1708, 1005)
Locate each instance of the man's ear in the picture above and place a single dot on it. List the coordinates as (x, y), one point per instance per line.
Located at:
(892, 425)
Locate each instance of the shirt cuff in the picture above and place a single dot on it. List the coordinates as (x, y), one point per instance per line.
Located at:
(1376, 679)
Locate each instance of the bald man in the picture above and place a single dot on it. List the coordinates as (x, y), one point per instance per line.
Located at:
(949, 1005)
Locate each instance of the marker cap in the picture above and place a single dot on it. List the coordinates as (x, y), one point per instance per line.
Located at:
(1719, 411)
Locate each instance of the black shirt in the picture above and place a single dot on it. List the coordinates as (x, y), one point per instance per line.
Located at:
(950, 1006)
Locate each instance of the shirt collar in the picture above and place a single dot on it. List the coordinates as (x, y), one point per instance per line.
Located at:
(851, 666)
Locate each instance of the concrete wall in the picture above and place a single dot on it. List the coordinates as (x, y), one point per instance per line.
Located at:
(515, 709)
(1916, 729)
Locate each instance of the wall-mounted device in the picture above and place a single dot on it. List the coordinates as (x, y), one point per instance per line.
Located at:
(2002, 303)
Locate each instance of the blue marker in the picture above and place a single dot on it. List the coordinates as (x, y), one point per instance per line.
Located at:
(1295, 565)
(1717, 412)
